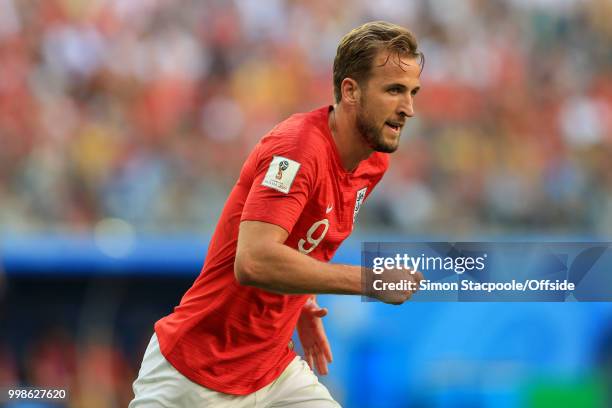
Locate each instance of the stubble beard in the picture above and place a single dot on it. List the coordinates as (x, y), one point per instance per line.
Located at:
(371, 133)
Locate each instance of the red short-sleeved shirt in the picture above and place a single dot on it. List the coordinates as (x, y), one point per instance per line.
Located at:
(233, 338)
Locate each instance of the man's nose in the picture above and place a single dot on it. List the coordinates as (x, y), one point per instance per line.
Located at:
(406, 108)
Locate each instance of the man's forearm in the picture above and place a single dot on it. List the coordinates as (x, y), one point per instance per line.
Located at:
(278, 268)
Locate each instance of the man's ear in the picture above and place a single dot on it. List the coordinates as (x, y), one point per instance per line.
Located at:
(351, 92)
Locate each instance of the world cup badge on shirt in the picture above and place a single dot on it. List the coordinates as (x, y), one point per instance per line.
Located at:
(360, 197)
(281, 173)
(282, 166)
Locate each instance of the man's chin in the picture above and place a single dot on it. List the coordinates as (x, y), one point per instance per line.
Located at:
(386, 146)
(379, 143)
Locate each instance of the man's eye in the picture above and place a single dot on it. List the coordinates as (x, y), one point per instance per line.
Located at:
(394, 91)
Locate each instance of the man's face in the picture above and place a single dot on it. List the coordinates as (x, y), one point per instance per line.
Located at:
(386, 100)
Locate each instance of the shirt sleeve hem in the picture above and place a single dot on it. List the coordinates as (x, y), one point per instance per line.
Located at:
(268, 220)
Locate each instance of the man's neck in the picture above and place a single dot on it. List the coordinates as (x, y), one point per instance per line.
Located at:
(350, 144)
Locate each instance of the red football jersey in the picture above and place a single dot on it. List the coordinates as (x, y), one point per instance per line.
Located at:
(233, 338)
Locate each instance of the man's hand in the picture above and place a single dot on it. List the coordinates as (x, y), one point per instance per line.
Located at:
(317, 352)
(394, 286)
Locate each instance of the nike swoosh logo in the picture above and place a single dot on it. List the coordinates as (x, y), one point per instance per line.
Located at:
(328, 209)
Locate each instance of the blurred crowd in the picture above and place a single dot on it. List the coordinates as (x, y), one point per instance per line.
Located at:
(91, 372)
(144, 110)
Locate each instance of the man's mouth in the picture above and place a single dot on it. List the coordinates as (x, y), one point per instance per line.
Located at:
(395, 126)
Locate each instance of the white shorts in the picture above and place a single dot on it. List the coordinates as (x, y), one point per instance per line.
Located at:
(159, 384)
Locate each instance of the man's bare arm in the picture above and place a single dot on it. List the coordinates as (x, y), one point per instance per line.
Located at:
(262, 260)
